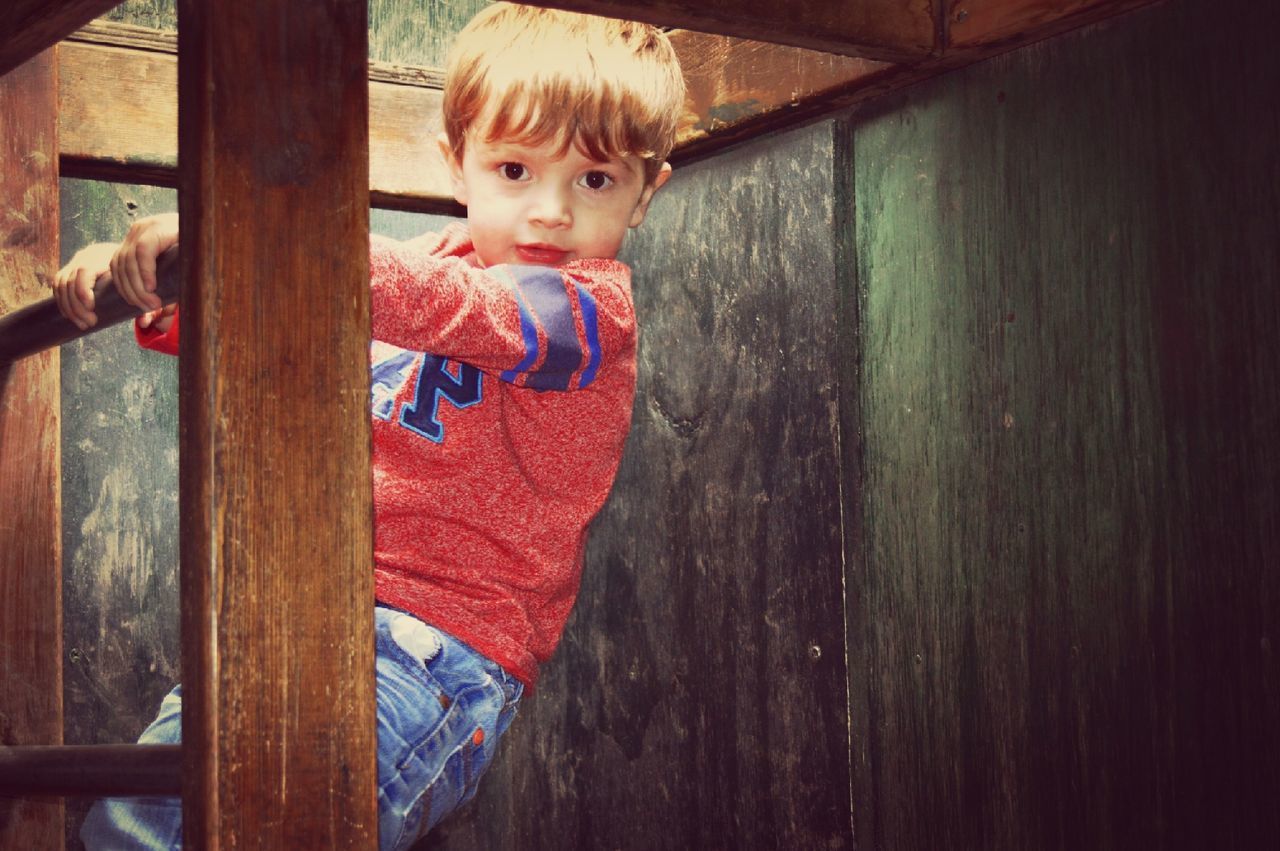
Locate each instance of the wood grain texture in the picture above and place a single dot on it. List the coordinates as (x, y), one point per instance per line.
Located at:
(897, 30)
(30, 491)
(275, 483)
(29, 26)
(1067, 263)
(698, 697)
(119, 106)
(736, 87)
(118, 114)
(979, 26)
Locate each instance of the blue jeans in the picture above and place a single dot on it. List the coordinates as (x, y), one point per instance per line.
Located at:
(442, 707)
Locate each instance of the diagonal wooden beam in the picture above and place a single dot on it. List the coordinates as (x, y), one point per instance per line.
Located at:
(895, 30)
(29, 26)
(739, 88)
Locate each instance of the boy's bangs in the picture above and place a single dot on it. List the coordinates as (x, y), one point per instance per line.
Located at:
(600, 124)
(537, 76)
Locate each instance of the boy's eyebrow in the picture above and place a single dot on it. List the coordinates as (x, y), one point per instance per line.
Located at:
(512, 148)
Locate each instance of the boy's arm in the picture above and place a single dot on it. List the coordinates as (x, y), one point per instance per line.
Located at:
(534, 326)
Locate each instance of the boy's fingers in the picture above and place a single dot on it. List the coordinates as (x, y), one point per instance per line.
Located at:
(60, 296)
(86, 297)
(75, 299)
(124, 271)
(147, 267)
(117, 275)
(143, 294)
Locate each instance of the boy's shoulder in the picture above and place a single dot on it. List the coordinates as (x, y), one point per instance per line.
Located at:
(453, 240)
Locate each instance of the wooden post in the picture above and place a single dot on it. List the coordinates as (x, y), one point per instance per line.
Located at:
(30, 493)
(276, 494)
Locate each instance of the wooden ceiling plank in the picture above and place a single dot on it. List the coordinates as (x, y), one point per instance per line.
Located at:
(118, 116)
(981, 28)
(738, 88)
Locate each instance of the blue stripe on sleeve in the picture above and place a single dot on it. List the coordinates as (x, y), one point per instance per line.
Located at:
(528, 330)
(548, 299)
(590, 321)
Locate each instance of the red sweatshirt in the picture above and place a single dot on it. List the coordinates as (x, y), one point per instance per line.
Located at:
(501, 401)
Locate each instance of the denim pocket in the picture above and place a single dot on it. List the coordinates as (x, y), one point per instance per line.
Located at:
(442, 709)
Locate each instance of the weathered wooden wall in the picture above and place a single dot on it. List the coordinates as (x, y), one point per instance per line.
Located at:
(1064, 546)
(698, 697)
(1011, 337)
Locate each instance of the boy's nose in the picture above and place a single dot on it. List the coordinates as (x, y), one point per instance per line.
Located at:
(551, 208)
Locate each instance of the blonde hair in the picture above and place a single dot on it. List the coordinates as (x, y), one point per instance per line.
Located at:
(534, 75)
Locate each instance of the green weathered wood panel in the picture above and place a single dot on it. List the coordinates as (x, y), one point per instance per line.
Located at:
(407, 32)
(417, 32)
(119, 505)
(156, 14)
(1065, 543)
(698, 699)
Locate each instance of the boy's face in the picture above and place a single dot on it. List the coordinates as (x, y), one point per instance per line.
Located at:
(533, 205)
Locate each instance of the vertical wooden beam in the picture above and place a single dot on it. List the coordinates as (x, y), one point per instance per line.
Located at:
(276, 494)
(30, 493)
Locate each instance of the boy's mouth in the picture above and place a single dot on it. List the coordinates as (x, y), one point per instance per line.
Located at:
(541, 255)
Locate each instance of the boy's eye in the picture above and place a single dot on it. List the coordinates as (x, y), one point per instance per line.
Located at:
(596, 180)
(514, 171)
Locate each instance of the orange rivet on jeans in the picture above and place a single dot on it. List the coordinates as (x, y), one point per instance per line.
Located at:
(478, 737)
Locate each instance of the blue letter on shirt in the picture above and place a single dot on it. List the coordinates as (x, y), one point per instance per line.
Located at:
(435, 380)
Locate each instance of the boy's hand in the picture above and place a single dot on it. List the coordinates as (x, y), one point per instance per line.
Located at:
(159, 319)
(132, 265)
(133, 268)
(74, 285)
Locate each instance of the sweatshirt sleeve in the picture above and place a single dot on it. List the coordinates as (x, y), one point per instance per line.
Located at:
(548, 328)
(150, 338)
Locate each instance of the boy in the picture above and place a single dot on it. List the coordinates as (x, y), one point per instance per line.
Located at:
(503, 372)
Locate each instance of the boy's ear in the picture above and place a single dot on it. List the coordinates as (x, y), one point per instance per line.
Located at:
(455, 169)
(642, 207)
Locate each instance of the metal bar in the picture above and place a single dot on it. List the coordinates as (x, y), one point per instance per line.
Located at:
(40, 326)
(90, 770)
